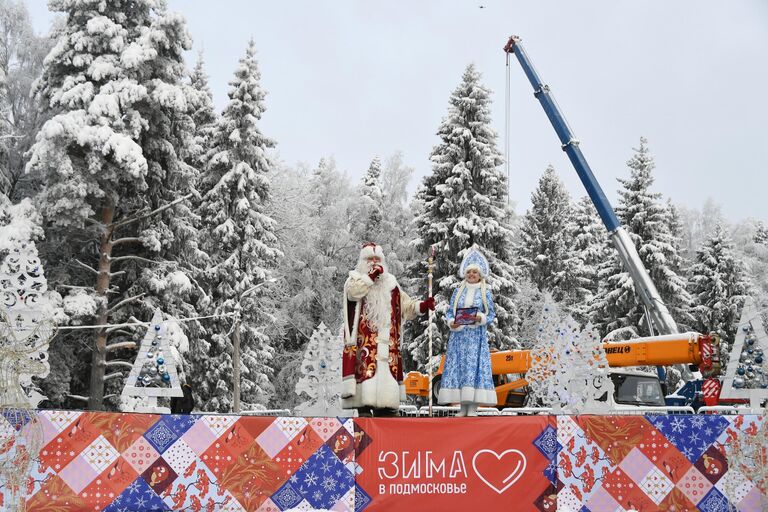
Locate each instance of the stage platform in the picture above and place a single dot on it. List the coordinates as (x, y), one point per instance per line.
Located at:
(120, 461)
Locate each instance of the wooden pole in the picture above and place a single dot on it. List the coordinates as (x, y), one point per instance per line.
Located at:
(236, 365)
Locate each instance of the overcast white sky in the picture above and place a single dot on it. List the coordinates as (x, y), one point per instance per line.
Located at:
(355, 79)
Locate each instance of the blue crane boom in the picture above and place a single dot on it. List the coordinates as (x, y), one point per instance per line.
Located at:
(656, 310)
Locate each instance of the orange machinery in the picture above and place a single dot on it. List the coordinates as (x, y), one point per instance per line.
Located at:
(509, 367)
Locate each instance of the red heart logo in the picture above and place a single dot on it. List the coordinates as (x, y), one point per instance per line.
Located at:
(499, 471)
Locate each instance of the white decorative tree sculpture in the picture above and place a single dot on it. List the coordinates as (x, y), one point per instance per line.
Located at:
(26, 330)
(154, 371)
(746, 374)
(321, 375)
(26, 326)
(569, 371)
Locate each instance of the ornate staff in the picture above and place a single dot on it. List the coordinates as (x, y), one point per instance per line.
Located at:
(430, 265)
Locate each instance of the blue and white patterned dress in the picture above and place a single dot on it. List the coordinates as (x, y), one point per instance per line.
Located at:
(467, 371)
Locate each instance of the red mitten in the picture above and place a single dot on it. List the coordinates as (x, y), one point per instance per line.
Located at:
(427, 305)
(376, 272)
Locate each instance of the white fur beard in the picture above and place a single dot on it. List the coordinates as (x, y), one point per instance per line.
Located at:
(378, 305)
(364, 266)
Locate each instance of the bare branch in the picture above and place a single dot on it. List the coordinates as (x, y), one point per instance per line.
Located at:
(78, 397)
(111, 395)
(123, 303)
(122, 344)
(115, 375)
(124, 364)
(153, 212)
(126, 240)
(139, 258)
(113, 274)
(87, 267)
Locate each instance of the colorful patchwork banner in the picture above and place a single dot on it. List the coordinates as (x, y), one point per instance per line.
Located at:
(126, 462)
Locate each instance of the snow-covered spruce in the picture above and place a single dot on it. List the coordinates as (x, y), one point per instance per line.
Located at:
(718, 284)
(545, 243)
(112, 153)
(463, 202)
(646, 220)
(238, 236)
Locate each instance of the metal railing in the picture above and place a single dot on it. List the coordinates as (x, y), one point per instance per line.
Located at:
(525, 411)
(667, 409)
(266, 412)
(729, 409)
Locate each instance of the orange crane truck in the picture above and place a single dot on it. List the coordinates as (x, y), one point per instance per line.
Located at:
(509, 367)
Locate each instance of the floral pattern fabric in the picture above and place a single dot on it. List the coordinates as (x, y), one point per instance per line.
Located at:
(467, 371)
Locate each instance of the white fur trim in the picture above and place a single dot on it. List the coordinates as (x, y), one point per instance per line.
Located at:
(467, 395)
(348, 386)
(455, 329)
(381, 390)
(371, 250)
(354, 274)
(483, 318)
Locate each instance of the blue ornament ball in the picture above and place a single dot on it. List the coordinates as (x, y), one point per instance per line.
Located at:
(759, 360)
(741, 371)
(750, 341)
(154, 343)
(160, 361)
(166, 377)
(157, 328)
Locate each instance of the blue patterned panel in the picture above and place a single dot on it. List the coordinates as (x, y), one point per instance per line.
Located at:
(547, 443)
(692, 435)
(287, 496)
(714, 501)
(323, 479)
(137, 496)
(161, 436)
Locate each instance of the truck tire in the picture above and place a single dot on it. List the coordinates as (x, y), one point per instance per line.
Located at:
(436, 387)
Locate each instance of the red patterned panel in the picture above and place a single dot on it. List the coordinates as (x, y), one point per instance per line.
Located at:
(664, 455)
(298, 450)
(226, 449)
(57, 454)
(616, 435)
(625, 491)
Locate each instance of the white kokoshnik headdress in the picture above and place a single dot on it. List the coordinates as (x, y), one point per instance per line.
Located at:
(474, 259)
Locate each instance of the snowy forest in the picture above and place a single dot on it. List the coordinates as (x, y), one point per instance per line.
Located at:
(139, 194)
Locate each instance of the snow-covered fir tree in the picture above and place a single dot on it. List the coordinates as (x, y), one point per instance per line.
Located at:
(677, 234)
(21, 62)
(761, 234)
(589, 250)
(111, 153)
(368, 209)
(718, 284)
(646, 220)
(545, 243)
(203, 114)
(240, 241)
(463, 202)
